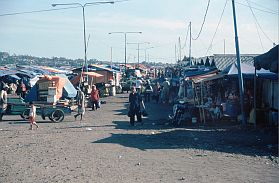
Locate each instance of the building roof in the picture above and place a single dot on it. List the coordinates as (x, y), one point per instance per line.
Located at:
(222, 61)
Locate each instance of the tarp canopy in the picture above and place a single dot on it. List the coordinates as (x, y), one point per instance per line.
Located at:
(54, 70)
(268, 60)
(94, 67)
(197, 72)
(248, 71)
(198, 75)
(57, 82)
(92, 76)
(208, 77)
(69, 90)
(4, 72)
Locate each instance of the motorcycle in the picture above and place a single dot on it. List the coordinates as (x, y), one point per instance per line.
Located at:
(181, 113)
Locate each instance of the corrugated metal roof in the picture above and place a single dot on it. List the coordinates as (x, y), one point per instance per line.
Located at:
(222, 61)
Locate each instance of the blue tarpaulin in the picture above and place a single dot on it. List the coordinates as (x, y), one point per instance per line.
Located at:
(69, 90)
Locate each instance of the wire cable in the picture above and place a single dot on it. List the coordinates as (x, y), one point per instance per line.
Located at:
(259, 5)
(38, 11)
(203, 21)
(255, 18)
(248, 2)
(52, 9)
(186, 37)
(210, 45)
(271, 12)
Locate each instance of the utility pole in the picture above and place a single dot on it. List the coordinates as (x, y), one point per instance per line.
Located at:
(179, 44)
(175, 56)
(138, 55)
(190, 45)
(224, 46)
(111, 57)
(240, 78)
(125, 42)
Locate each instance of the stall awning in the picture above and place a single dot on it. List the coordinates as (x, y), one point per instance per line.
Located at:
(268, 60)
(208, 78)
(93, 77)
(202, 75)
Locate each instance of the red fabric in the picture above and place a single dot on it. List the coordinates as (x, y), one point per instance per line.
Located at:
(95, 95)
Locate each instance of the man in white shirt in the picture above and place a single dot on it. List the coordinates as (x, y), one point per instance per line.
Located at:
(3, 101)
(138, 85)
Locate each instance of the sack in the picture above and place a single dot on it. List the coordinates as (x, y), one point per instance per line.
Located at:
(99, 104)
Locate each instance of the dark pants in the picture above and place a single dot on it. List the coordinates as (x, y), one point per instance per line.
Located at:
(156, 97)
(147, 97)
(134, 113)
(95, 104)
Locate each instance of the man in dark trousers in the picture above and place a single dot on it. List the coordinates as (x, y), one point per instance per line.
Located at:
(135, 103)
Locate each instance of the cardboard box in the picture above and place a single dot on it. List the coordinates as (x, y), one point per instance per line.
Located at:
(52, 91)
(51, 99)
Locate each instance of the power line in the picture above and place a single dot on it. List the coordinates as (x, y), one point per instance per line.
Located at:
(272, 12)
(203, 21)
(257, 4)
(186, 37)
(37, 11)
(210, 45)
(255, 18)
(256, 25)
(52, 9)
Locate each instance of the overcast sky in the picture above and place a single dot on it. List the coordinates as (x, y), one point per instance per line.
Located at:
(60, 33)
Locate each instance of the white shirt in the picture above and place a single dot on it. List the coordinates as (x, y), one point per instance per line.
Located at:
(3, 96)
(138, 83)
(32, 111)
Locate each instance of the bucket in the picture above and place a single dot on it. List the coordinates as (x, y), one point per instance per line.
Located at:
(194, 120)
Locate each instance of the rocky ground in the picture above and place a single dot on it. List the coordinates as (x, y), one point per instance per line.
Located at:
(104, 148)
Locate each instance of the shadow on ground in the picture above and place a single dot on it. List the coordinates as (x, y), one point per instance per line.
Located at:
(238, 141)
(147, 125)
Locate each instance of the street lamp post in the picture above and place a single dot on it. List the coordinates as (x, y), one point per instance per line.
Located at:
(83, 16)
(145, 53)
(139, 49)
(125, 36)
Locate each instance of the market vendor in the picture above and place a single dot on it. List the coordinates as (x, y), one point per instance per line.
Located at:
(3, 101)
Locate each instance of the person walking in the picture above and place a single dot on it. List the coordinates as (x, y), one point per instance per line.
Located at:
(32, 116)
(138, 83)
(165, 91)
(135, 104)
(3, 100)
(81, 104)
(156, 92)
(147, 92)
(95, 98)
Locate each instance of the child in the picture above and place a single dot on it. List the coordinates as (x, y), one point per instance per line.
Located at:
(32, 116)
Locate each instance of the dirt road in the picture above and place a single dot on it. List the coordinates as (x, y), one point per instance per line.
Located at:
(104, 148)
